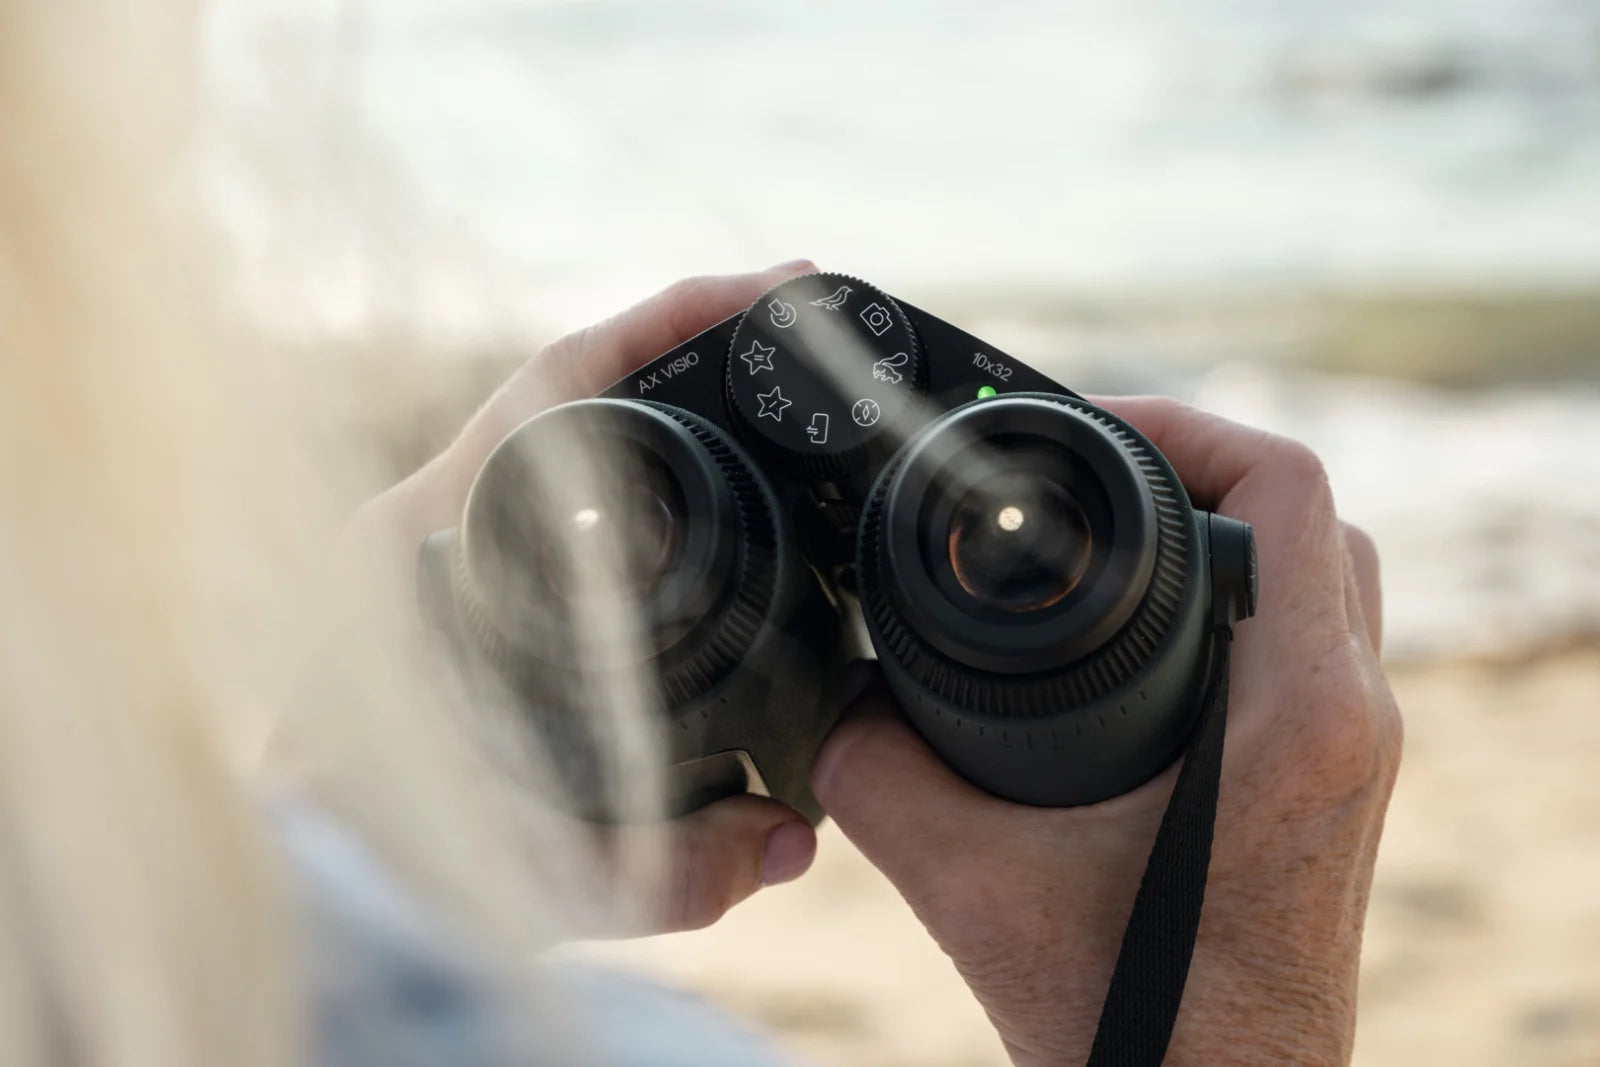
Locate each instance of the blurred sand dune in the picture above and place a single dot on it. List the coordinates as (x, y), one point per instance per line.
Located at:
(1483, 945)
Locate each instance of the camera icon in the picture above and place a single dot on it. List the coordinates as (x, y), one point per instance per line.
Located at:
(876, 316)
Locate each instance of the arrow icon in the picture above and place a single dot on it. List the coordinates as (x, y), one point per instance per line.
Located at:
(818, 430)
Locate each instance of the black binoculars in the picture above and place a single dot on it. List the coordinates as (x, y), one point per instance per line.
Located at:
(833, 474)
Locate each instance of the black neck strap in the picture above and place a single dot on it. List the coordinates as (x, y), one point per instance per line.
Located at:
(1158, 944)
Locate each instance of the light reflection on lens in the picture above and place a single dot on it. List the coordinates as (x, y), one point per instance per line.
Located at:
(634, 527)
(1020, 543)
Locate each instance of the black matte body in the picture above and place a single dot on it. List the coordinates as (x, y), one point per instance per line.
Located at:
(778, 709)
(947, 353)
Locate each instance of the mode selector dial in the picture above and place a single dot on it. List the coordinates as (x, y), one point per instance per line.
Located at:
(824, 366)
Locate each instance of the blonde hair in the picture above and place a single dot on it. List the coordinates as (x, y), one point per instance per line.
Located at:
(167, 516)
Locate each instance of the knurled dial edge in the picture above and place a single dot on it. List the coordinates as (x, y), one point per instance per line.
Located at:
(822, 366)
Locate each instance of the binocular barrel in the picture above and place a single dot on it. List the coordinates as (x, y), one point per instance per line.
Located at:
(722, 524)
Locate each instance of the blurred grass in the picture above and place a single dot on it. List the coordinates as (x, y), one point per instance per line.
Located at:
(1458, 340)
(409, 399)
(1438, 336)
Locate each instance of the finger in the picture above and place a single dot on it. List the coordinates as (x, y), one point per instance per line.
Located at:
(591, 359)
(720, 855)
(575, 366)
(1366, 591)
(582, 363)
(1277, 485)
(1214, 457)
(894, 798)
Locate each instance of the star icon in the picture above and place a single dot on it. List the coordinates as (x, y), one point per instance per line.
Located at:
(759, 357)
(772, 405)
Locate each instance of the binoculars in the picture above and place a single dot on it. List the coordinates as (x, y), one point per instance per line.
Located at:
(828, 475)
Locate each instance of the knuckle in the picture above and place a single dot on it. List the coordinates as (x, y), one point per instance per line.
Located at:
(1168, 412)
(1393, 734)
(1301, 465)
(1305, 521)
(686, 288)
(1361, 545)
(1347, 736)
(1359, 538)
(685, 301)
(1170, 408)
(565, 356)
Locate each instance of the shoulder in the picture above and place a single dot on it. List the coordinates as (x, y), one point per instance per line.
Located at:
(643, 1024)
(389, 986)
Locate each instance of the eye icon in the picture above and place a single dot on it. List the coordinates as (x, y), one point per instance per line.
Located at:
(783, 315)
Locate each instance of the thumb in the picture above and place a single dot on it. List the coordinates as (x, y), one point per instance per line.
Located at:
(895, 799)
(721, 854)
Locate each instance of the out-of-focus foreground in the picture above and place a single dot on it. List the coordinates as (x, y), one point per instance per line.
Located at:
(1369, 225)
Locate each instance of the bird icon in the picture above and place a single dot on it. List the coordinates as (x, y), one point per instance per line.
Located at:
(834, 300)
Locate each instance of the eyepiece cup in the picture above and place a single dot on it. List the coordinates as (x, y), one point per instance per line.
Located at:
(1077, 700)
(1023, 601)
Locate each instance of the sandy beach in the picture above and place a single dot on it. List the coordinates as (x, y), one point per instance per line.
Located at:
(1483, 944)
(1365, 225)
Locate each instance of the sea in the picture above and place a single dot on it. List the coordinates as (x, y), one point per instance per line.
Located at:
(496, 171)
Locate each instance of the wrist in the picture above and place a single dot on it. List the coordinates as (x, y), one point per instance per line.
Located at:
(1273, 980)
(1247, 1017)
(1266, 1013)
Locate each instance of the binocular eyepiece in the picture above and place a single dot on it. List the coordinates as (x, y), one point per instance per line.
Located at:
(833, 474)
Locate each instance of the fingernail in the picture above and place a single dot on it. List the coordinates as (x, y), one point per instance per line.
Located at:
(793, 265)
(789, 851)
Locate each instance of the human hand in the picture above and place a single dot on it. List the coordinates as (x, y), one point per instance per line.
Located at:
(721, 854)
(1030, 903)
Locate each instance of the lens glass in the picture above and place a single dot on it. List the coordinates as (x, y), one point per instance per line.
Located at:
(631, 524)
(1020, 542)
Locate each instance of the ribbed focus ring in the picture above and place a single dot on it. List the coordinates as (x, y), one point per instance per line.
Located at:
(714, 647)
(1074, 684)
(713, 658)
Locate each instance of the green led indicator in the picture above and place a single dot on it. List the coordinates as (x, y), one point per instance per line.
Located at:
(986, 391)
